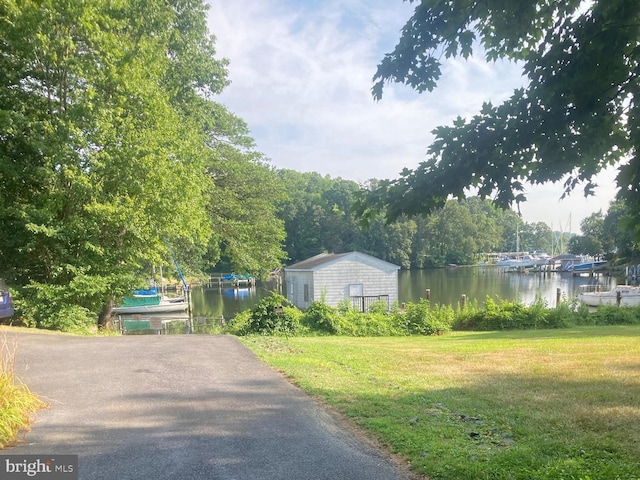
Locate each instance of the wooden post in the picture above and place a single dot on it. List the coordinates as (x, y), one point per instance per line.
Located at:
(618, 297)
(463, 301)
(558, 296)
(427, 293)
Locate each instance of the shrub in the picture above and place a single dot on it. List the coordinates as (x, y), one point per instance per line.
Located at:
(321, 317)
(50, 307)
(272, 316)
(17, 404)
(613, 315)
(371, 324)
(424, 319)
(379, 307)
(501, 315)
(240, 323)
(560, 317)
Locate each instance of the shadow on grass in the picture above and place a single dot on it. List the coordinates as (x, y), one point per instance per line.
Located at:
(509, 426)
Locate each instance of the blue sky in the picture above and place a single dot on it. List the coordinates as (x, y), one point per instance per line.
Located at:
(301, 76)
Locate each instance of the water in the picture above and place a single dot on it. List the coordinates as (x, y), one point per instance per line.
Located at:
(447, 285)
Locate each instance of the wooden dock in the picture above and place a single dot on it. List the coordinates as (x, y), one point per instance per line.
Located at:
(227, 280)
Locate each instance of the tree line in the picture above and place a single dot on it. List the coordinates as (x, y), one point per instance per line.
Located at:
(319, 216)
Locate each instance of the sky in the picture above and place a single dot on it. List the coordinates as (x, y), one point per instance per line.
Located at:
(301, 73)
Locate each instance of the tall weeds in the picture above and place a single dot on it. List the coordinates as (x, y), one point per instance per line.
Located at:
(18, 405)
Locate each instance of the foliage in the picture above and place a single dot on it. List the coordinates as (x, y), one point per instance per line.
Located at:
(318, 216)
(506, 315)
(248, 234)
(422, 318)
(578, 114)
(611, 315)
(239, 324)
(321, 317)
(618, 235)
(61, 307)
(113, 151)
(592, 238)
(369, 324)
(273, 315)
(564, 316)
(17, 404)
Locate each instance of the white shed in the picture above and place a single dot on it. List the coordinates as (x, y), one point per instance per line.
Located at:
(334, 277)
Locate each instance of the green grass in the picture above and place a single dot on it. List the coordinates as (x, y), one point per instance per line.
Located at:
(18, 405)
(545, 404)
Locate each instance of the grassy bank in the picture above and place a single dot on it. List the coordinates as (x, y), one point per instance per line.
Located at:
(545, 404)
(17, 404)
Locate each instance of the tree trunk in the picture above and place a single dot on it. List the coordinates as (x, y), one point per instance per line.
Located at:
(104, 319)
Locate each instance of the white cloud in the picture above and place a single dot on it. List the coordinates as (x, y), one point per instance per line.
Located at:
(301, 77)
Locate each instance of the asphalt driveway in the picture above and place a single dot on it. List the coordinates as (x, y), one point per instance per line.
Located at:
(181, 407)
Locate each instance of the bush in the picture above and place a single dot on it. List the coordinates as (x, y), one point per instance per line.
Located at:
(51, 307)
(420, 319)
(239, 324)
(424, 319)
(510, 315)
(613, 315)
(272, 316)
(560, 317)
(371, 324)
(17, 404)
(321, 317)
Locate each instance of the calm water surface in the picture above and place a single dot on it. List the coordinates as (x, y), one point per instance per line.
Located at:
(447, 285)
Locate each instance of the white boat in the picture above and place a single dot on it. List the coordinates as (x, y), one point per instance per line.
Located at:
(622, 295)
(165, 306)
(523, 261)
(586, 265)
(150, 303)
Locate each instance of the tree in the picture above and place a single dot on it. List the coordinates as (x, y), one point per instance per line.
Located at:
(579, 113)
(622, 240)
(248, 235)
(112, 150)
(535, 237)
(585, 245)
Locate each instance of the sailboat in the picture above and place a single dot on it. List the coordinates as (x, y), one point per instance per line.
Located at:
(152, 301)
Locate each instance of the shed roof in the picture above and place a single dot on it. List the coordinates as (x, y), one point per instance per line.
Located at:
(323, 259)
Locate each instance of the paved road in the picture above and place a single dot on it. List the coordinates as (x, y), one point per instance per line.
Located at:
(181, 407)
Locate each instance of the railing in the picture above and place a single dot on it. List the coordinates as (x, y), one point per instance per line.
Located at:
(364, 303)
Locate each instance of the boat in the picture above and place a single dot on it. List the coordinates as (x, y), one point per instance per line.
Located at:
(523, 261)
(622, 295)
(586, 265)
(150, 302)
(164, 306)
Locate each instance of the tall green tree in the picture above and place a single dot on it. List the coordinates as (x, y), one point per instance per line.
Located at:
(248, 236)
(578, 114)
(535, 237)
(110, 143)
(619, 239)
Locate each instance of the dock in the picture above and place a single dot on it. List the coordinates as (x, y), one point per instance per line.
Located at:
(230, 280)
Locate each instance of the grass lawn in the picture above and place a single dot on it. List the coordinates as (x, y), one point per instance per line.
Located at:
(551, 404)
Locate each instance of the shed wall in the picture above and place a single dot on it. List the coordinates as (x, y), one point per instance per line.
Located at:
(334, 280)
(295, 282)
